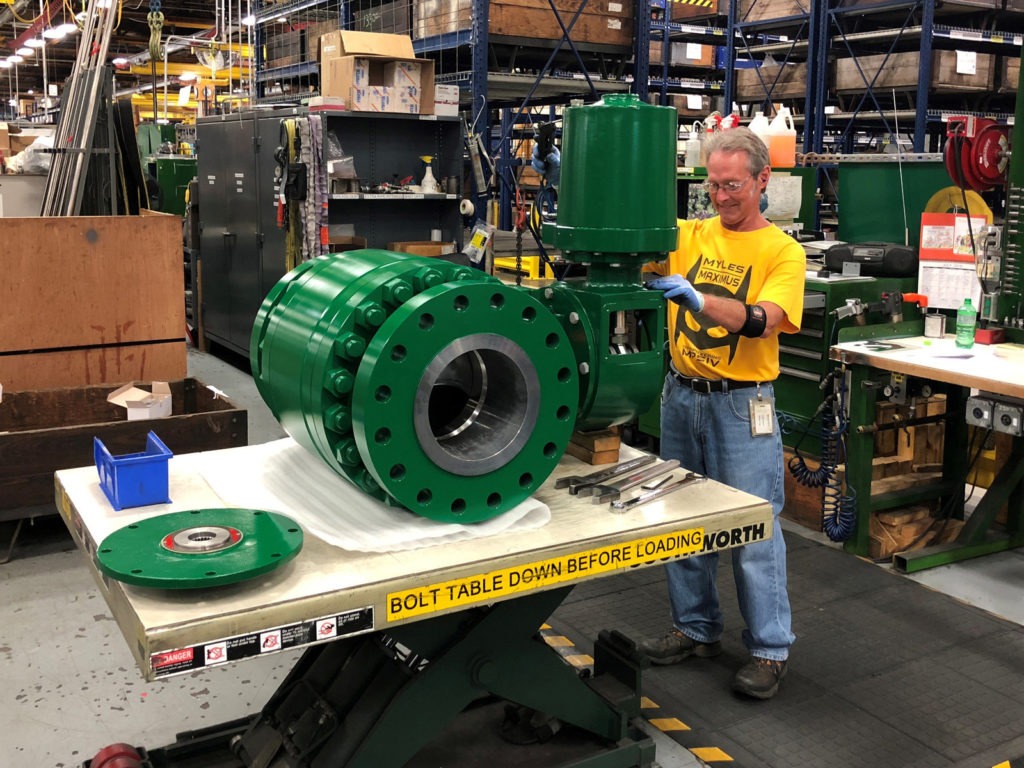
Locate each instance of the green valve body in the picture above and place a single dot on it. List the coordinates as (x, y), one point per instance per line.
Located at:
(441, 389)
(426, 384)
(616, 212)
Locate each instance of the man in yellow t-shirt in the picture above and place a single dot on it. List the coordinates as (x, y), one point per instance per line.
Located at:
(734, 283)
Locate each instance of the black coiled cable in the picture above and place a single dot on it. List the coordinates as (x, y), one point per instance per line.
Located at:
(838, 510)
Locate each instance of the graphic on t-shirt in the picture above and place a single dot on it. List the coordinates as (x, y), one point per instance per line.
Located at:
(718, 278)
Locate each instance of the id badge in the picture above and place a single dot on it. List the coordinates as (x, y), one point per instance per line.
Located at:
(762, 416)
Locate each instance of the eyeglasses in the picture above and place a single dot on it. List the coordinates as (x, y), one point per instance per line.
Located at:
(729, 187)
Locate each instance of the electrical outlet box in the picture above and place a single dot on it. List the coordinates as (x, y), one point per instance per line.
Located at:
(1008, 418)
(979, 412)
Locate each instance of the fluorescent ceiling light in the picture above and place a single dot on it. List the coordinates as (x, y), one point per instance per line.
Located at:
(53, 33)
(5, 64)
(69, 28)
(15, 59)
(188, 76)
(249, 20)
(282, 19)
(25, 51)
(119, 61)
(35, 42)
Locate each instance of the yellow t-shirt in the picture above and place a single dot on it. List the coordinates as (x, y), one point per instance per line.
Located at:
(763, 265)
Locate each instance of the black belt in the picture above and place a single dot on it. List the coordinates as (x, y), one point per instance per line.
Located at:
(707, 386)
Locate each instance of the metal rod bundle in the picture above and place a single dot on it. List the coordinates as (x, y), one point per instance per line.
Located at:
(76, 128)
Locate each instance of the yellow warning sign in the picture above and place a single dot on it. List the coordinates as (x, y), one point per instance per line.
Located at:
(492, 585)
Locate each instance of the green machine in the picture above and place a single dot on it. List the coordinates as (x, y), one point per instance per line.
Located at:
(173, 174)
(447, 392)
(440, 389)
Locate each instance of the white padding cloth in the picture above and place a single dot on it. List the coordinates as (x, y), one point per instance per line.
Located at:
(284, 477)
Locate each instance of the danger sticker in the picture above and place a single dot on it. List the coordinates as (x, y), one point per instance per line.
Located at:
(166, 663)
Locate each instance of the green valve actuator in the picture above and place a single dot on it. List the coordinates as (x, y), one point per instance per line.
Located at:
(445, 391)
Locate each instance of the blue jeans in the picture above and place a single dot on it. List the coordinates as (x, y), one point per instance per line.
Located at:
(710, 434)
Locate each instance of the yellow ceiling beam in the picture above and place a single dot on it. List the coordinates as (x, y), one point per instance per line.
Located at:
(176, 69)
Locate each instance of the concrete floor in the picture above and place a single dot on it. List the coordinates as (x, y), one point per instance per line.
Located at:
(70, 685)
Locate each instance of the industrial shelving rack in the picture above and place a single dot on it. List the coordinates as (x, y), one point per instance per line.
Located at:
(818, 39)
(933, 33)
(670, 78)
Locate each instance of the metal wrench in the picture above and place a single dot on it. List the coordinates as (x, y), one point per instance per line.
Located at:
(576, 482)
(605, 493)
(657, 493)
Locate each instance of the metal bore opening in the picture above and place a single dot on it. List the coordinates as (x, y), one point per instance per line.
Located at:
(476, 404)
(207, 538)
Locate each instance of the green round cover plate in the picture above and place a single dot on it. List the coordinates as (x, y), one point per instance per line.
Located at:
(199, 548)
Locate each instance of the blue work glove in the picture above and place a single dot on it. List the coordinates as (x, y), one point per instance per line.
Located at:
(550, 167)
(678, 289)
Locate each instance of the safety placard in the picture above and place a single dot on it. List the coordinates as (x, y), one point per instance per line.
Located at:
(541, 574)
(172, 662)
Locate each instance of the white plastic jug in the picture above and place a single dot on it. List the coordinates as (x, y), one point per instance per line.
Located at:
(761, 126)
(782, 140)
(693, 146)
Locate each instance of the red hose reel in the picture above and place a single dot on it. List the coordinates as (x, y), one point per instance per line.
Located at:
(977, 152)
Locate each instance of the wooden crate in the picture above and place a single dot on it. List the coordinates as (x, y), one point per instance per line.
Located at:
(393, 18)
(91, 300)
(689, 104)
(683, 54)
(1009, 74)
(47, 430)
(947, 7)
(607, 22)
(759, 10)
(902, 72)
(787, 81)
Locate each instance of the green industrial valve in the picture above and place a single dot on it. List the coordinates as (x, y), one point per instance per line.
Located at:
(443, 390)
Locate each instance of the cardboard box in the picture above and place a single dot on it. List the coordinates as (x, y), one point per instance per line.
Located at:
(346, 42)
(5, 142)
(446, 100)
(951, 72)
(328, 102)
(406, 98)
(422, 247)
(365, 83)
(402, 74)
(140, 404)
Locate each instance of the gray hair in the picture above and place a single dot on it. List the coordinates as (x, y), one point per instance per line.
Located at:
(739, 139)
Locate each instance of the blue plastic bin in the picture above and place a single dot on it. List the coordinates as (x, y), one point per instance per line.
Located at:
(135, 479)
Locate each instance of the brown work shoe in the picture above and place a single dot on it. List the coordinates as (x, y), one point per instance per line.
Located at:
(759, 677)
(675, 646)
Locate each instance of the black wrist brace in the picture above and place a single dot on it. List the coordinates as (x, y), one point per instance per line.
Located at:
(756, 322)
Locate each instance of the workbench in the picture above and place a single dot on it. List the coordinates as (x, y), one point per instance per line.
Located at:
(995, 370)
(471, 607)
